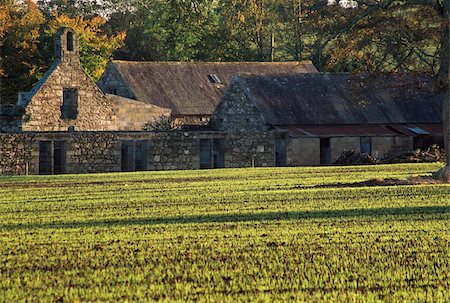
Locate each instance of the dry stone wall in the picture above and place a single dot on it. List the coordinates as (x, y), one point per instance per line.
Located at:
(16, 154)
(91, 152)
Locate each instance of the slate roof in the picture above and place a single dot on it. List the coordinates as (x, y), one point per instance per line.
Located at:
(188, 88)
(345, 99)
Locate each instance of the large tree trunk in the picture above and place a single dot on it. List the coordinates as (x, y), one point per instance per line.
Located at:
(444, 84)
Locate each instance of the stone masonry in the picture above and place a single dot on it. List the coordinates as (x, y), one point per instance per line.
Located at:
(43, 104)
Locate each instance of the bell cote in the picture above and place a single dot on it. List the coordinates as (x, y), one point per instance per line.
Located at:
(66, 44)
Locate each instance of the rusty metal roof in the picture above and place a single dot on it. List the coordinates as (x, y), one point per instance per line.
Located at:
(189, 88)
(359, 130)
(345, 99)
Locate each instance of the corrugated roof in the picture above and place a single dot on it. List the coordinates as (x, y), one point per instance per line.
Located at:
(359, 130)
(186, 87)
(340, 99)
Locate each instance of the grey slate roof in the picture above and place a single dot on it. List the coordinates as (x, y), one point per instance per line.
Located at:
(186, 87)
(331, 99)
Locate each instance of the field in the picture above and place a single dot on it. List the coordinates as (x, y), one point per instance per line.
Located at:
(284, 234)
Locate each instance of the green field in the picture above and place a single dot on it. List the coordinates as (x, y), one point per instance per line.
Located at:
(276, 234)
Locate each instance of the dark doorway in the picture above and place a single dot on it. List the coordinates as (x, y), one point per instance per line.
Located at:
(366, 145)
(127, 155)
(140, 155)
(205, 153)
(325, 151)
(45, 157)
(218, 153)
(59, 157)
(280, 152)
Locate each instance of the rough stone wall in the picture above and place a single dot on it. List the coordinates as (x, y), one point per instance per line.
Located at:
(245, 150)
(339, 144)
(132, 115)
(16, 154)
(237, 113)
(44, 109)
(92, 152)
(303, 151)
(383, 146)
(112, 83)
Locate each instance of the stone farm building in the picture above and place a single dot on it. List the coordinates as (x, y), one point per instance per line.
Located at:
(191, 90)
(262, 114)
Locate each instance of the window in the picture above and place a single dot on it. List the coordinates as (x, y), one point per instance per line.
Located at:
(69, 41)
(113, 91)
(69, 108)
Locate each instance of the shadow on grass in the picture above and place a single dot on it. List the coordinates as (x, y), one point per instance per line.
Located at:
(240, 217)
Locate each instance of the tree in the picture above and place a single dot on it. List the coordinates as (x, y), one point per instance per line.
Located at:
(20, 52)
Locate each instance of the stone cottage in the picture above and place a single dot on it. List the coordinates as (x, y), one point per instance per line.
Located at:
(317, 116)
(191, 90)
(66, 98)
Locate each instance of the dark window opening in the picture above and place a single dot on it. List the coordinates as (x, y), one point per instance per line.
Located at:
(140, 155)
(325, 151)
(69, 108)
(280, 152)
(366, 145)
(113, 91)
(127, 156)
(205, 153)
(69, 41)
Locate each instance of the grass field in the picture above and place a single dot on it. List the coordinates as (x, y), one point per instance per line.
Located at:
(301, 234)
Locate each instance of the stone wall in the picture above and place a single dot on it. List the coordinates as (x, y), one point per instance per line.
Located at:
(339, 144)
(237, 113)
(132, 115)
(16, 154)
(43, 110)
(43, 105)
(303, 151)
(383, 146)
(111, 82)
(91, 152)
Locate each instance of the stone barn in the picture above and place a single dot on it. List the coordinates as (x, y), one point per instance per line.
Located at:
(191, 90)
(66, 98)
(317, 116)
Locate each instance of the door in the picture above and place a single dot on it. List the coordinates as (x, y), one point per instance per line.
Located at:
(127, 155)
(205, 153)
(218, 153)
(140, 155)
(280, 152)
(325, 151)
(59, 157)
(45, 158)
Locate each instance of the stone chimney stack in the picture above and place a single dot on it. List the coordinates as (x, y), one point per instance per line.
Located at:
(66, 45)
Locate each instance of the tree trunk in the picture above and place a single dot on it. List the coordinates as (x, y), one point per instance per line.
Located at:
(444, 84)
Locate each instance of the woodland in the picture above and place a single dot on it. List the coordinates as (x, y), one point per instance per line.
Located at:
(337, 36)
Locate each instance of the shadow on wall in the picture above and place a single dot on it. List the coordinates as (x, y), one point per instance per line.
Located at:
(225, 218)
